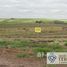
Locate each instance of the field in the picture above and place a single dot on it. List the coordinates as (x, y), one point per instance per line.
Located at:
(20, 44)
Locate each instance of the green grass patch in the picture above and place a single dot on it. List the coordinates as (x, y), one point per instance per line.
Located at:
(23, 55)
(27, 20)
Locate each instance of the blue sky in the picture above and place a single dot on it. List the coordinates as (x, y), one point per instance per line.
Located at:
(33, 9)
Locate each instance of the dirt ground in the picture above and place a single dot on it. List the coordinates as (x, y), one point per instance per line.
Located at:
(8, 59)
(4, 62)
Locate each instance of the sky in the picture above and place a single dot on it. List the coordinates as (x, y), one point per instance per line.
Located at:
(33, 9)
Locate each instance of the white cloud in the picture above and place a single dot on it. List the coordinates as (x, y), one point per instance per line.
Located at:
(33, 8)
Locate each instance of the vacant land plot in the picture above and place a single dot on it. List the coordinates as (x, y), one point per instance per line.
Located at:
(20, 43)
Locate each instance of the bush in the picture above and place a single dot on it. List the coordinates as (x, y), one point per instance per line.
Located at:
(39, 45)
(3, 44)
(50, 48)
(56, 46)
(19, 44)
(45, 50)
(23, 55)
(65, 43)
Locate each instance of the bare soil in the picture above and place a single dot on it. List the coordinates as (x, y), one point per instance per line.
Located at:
(8, 59)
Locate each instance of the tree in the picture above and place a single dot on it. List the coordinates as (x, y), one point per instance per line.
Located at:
(59, 22)
(39, 22)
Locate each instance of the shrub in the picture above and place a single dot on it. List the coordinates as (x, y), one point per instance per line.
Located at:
(19, 44)
(3, 44)
(65, 43)
(45, 50)
(23, 55)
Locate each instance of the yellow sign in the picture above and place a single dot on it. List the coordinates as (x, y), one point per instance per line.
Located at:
(38, 29)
